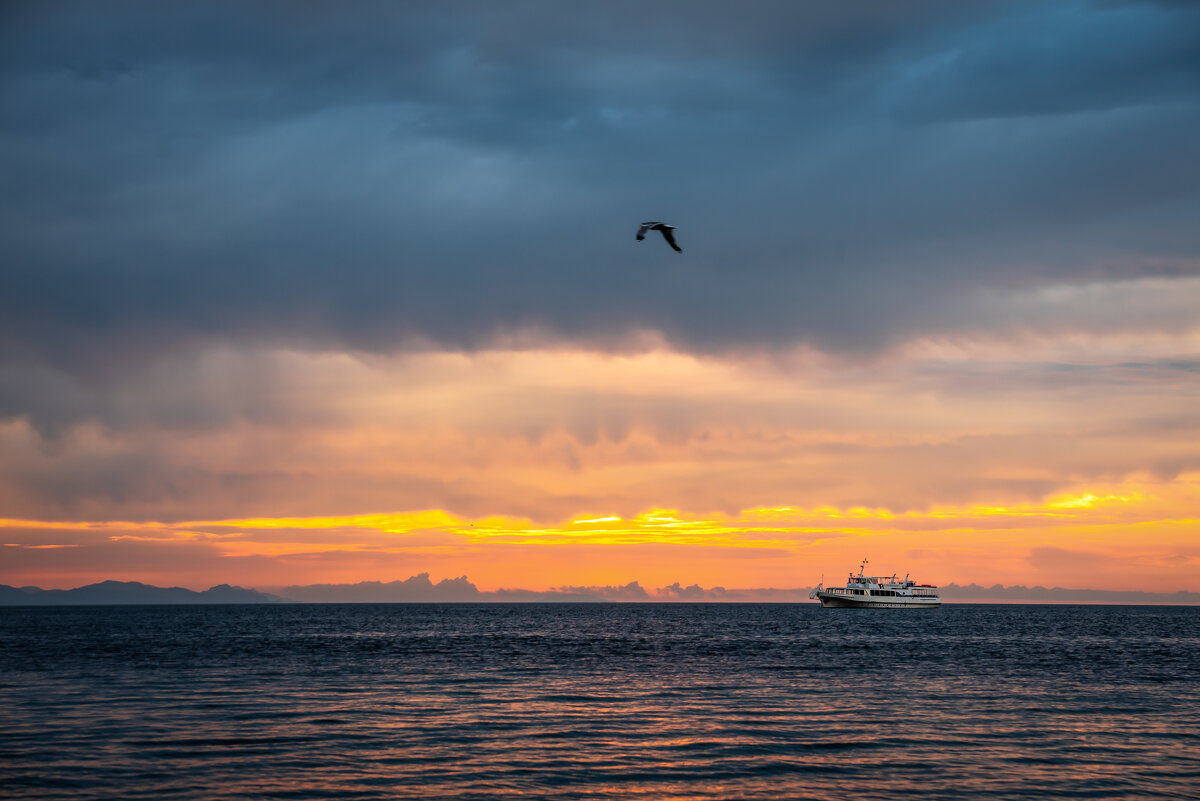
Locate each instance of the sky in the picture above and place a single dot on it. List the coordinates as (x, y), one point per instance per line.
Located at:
(302, 293)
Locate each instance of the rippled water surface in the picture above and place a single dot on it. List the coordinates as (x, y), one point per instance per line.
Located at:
(599, 701)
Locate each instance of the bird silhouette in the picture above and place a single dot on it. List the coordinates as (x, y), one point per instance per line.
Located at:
(664, 228)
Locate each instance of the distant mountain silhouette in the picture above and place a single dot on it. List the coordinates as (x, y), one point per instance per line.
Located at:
(130, 592)
(419, 589)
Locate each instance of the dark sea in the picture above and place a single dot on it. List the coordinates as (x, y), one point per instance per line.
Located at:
(661, 701)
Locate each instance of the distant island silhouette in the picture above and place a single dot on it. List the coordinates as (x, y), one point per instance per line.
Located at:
(420, 589)
(109, 593)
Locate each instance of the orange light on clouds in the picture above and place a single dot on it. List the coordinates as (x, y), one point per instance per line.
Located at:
(969, 461)
(1126, 537)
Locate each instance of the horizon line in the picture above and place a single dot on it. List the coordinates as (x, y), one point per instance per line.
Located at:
(420, 589)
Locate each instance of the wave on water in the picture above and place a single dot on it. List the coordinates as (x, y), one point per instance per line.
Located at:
(699, 701)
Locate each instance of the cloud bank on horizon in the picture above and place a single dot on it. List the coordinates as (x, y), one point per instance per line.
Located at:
(265, 259)
(420, 589)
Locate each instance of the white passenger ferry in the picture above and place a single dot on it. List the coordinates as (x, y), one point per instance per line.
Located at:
(878, 592)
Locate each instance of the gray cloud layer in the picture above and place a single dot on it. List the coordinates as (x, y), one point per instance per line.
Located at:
(383, 175)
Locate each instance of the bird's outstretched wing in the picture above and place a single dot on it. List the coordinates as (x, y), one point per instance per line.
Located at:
(670, 237)
(642, 231)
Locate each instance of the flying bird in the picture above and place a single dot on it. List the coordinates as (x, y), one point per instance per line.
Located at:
(666, 232)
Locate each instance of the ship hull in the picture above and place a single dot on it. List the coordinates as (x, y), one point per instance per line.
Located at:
(838, 601)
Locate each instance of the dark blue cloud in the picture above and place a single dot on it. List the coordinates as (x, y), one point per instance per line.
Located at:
(389, 175)
(1056, 60)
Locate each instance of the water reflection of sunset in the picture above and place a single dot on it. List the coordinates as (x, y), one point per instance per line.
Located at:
(604, 701)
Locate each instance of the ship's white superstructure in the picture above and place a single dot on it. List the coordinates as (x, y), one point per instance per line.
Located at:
(878, 592)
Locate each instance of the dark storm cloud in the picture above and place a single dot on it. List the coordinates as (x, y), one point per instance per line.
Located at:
(380, 176)
(1058, 61)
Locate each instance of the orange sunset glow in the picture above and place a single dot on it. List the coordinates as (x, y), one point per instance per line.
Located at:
(531, 469)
